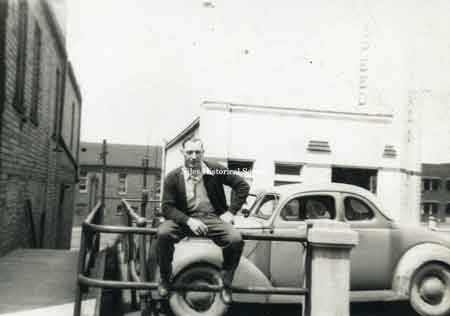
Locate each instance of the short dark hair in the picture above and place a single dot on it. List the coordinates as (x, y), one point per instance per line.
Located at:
(191, 138)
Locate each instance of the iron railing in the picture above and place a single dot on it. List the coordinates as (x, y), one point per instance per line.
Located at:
(136, 224)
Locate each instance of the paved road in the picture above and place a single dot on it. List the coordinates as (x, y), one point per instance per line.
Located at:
(38, 282)
(359, 309)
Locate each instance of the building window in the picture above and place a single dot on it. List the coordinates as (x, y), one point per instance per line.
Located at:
(57, 103)
(428, 209)
(431, 184)
(287, 169)
(83, 181)
(36, 75)
(365, 178)
(21, 59)
(447, 184)
(280, 182)
(240, 166)
(122, 183)
(243, 168)
(72, 127)
(447, 212)
(119, 209)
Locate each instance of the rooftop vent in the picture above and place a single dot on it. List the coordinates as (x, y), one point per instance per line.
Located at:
(389, 151)
(319, 146)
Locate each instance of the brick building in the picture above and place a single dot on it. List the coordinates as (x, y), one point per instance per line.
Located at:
(436, 192)
(124, 177)
(40, 110)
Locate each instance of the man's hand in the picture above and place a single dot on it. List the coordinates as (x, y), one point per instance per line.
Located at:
(227, 217)
(197, 226)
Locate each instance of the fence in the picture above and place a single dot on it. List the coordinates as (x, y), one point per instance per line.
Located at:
(136, 226)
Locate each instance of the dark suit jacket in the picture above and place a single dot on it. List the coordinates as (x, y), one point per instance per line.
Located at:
(174, 204)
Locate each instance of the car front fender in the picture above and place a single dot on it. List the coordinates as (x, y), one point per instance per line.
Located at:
(412, 260)
(188, 253)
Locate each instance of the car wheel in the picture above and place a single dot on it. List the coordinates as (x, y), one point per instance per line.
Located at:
(430, 290)
(198, 303)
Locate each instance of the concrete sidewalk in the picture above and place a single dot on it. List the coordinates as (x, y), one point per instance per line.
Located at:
(88, 308)
(35, 278)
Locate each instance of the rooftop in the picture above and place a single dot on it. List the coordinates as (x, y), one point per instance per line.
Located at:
(120, 154)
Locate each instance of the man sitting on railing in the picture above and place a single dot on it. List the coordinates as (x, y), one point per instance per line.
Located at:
(194, 203)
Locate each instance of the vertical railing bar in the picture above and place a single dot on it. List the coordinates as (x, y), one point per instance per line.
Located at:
(81, 258)
(308, 267)
(131, 257)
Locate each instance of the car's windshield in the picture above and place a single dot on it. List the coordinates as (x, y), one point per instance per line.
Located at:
(251, 201)
(264, 206)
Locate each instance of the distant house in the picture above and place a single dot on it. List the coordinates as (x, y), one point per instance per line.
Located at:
(124, 177)
(40, 111)
(436, 192)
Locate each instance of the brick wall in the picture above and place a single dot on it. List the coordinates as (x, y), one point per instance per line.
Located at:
(31, 168)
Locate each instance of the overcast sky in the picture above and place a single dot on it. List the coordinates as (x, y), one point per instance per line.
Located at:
(145, 67)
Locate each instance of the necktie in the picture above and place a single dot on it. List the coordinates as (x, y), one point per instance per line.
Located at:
(193, 181)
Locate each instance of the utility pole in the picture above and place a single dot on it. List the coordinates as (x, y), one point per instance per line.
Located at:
(103, 158)
(145, 162)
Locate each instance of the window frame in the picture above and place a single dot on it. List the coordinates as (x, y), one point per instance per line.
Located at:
(260, 200)
(364, 202)
(431, 203)
(57, 103)
(246, 173)
(431, 179)
(125, 191)
(86, 183)
(21, 58)
(316, 194)
(278, 165)
(36, 77)
(277, 183)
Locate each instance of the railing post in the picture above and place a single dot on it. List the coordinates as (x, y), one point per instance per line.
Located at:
(331, 243)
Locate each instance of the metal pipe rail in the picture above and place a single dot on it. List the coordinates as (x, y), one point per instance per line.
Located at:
(91, 227)
(106, 284)
(140, 221)
(110, 229)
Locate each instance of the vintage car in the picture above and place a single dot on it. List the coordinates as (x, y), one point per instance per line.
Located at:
(391, 262)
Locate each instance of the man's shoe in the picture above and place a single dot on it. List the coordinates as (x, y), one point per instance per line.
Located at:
(226, 295)
(227, 277)
(163, 289)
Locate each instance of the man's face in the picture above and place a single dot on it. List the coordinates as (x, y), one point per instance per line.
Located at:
(193, 154)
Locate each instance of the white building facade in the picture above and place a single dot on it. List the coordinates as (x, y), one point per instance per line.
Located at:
(280, 145)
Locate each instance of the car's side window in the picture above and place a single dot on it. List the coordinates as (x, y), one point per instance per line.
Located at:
(291, 211)
(309, 207)
(357, 210)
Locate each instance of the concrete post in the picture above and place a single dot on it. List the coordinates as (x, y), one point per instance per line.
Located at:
(331, 243)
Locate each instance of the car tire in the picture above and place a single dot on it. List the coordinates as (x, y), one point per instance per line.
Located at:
(198, 303)
(430, 290)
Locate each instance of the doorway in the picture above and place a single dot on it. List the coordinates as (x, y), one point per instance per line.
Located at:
(365, 178)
